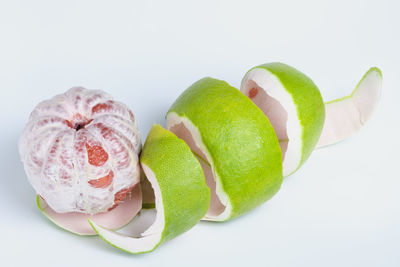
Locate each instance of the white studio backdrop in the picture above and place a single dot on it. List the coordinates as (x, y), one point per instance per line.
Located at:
(340, 209)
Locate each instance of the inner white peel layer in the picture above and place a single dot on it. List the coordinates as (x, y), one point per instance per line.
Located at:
(220, 208)
(77, 223)
(278, 105)
(345, 116)
(151, 237)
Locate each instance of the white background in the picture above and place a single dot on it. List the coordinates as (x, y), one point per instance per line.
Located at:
(342, 208)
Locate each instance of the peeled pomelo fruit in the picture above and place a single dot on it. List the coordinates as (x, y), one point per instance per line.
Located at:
(294, 106)
(77, 223)
(345, 116)
(236, 143)
(181, 194)
(80, 153)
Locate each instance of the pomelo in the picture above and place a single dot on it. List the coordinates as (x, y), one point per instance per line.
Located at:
(225, 153)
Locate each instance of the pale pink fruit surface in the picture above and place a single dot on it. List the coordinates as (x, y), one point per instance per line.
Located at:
(80, 151)
(116, 218)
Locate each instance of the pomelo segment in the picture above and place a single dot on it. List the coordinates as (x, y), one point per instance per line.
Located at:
(240, 151)
(77, 223)
(181, 194)
(345, 116)
(294, 106)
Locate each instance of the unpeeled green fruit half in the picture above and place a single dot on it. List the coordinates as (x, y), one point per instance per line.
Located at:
(294, 106)
(181, 194)
(236, 143)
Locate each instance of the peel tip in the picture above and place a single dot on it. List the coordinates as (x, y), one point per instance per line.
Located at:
(376, 70)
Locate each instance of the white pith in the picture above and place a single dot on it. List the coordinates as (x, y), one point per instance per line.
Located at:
(151, 237)
(347, 115)
(214, 213)
(77, 223)
(275, 91)
(46, 171)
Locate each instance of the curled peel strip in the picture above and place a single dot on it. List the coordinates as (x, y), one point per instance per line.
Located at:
(229, 134)
(293, 104)
(301, 120)
(256, 178)
(345, 116)
(236, 140)
(181, 194)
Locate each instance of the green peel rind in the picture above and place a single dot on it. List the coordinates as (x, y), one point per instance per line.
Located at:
(239, 138)
(184, 193)
(308, 100)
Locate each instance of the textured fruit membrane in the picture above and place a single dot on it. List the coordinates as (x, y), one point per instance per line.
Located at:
(216, 207)
(274, 111)
(80, 151)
